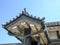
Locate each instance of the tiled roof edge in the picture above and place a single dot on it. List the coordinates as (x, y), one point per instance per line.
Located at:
(49, 24)
(23, 13)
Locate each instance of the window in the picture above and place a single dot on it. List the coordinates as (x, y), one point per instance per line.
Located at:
(31, 25)
(22, 23)
(14, 27)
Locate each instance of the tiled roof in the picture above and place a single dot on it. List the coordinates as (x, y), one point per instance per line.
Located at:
(23, 13)
(27, 15)
(50, 24)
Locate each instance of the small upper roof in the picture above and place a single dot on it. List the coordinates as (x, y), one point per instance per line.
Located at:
(50, 24)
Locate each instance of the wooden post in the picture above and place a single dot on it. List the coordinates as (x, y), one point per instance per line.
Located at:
(24, 41)
(27, 41)
(38, 40)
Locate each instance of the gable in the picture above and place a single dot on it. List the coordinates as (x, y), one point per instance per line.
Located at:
(27, 22)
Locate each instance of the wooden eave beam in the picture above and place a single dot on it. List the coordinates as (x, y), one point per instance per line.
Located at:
(33, 33)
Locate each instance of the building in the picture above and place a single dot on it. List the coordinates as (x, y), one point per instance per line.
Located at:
(33, 31)
(54, 32)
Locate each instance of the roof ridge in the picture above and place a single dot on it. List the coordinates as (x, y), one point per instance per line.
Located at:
(24, 12)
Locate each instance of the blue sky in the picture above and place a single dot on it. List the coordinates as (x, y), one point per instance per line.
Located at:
(50, 9)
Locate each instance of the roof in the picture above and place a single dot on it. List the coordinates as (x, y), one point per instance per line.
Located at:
(24, 13)
(50, 24)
